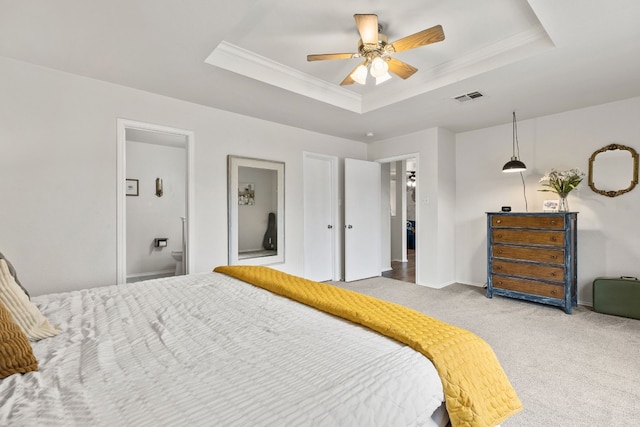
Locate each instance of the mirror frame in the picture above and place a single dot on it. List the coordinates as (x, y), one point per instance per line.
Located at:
(634, 181)
(233, 164)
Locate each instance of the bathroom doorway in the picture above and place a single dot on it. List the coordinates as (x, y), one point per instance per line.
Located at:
(154, 201)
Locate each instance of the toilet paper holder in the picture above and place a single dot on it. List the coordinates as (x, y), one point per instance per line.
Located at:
(160, 242)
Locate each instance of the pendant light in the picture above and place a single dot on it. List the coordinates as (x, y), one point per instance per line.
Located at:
(514, 165)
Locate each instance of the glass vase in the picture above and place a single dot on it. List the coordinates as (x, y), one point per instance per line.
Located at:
(563, 205)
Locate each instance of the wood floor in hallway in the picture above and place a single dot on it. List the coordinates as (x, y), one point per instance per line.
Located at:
(405, 271)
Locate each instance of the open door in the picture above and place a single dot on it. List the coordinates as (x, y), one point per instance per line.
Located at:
(362, 216)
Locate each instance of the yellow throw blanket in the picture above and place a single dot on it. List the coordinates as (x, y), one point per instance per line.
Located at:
(477, 391)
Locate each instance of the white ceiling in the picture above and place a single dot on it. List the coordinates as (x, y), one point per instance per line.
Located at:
(536, 57)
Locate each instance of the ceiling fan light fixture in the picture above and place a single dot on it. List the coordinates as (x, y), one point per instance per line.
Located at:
(375, 48)
(383, 78)
(359, 75)
(379, 67)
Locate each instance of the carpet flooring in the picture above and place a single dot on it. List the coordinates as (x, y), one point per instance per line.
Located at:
(576, 370)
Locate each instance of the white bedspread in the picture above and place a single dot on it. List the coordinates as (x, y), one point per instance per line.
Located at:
(209, 350)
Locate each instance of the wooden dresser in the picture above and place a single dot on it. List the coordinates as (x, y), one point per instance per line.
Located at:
(532, 256)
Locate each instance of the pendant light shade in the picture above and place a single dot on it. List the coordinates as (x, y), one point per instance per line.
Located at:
(514, 165)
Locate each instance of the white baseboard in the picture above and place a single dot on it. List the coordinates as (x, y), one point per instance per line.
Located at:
(149, 273)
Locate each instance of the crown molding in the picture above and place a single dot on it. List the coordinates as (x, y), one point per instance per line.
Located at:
(241, 61)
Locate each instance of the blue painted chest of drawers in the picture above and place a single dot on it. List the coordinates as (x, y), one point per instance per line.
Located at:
(533, 257)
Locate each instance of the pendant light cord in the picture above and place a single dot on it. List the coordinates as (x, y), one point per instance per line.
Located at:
(516, 150)
(524, 193)
(515, 144)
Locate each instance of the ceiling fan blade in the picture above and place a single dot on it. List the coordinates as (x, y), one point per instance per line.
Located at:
(347, 81)
(323, 56)
(367, 27)
(421, 38)
(401, 69)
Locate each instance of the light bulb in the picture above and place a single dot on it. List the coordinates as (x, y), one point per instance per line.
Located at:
(359, 75)
(379, 67)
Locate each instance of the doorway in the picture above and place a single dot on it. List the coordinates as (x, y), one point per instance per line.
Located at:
(401, 233)
(155, 201)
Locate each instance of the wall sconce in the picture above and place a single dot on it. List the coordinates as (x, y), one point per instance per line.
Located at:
(514, 165)
(159, 191)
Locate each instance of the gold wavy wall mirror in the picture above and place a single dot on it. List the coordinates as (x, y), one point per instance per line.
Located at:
(613, 170)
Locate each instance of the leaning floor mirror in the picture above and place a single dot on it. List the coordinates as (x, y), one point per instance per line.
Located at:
(256, 211)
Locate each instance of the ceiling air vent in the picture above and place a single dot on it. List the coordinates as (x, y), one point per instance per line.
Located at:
(468, 96)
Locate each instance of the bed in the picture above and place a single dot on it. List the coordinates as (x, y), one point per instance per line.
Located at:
(212, 349)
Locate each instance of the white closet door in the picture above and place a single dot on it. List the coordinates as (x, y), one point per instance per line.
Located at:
(362, 219)
(319, 217)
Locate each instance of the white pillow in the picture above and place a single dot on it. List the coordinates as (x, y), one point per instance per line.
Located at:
(24, 312)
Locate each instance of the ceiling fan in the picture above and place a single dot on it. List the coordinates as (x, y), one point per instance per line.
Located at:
(375, 49)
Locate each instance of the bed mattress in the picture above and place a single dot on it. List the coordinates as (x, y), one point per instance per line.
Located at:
(208, 349)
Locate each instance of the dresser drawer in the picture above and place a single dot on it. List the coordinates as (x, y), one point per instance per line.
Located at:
(555, 256)
(528, 237)
(527, 221)
(537, 271)
(528, 287)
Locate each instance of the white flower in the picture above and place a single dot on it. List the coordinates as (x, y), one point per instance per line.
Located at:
(561, 182)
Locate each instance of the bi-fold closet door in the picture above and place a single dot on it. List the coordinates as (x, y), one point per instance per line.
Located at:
(321, 217)
(323, 227)
(362, 214)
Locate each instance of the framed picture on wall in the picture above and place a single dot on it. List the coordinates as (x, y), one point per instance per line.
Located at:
(550, 206)
(246, 194)
(132, 187)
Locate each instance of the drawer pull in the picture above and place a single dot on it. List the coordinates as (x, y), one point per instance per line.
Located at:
(553, 274)
(499, 236)
(553, 292)
(498, 221)
(498, 267)
(553, 239)
(554, 257)
(499, 251)
(553, 222)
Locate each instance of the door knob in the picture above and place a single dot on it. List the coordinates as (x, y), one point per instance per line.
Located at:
(329, 226)
(349, 226)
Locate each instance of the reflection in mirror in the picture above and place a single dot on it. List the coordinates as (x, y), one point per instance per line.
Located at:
(613, 170)
(256, 211)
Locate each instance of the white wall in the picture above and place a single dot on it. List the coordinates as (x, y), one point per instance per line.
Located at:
(411, 204)
(58, 173)
(398, 222)
(149, 216)
(608, 228)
